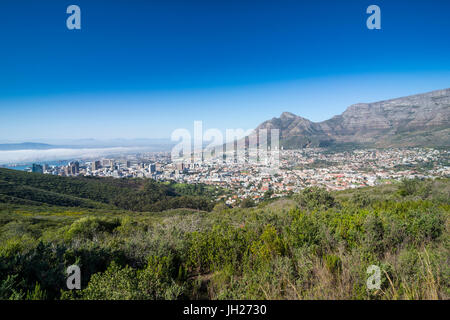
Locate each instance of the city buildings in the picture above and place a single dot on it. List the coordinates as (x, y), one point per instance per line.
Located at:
(37, 168)
(96, 165)
(298, 169)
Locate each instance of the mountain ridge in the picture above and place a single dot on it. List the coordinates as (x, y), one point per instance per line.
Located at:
(416, 120)
(25, 146)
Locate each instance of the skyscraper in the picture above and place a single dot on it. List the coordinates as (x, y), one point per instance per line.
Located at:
(37, 168)
(73, 168)
(180, 166)
(95, 165)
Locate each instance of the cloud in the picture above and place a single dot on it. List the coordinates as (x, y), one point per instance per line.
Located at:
(24, 156)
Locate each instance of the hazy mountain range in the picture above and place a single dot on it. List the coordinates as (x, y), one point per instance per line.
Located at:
(28, 152)
(43, 144)
(417, 120)
(25, 146)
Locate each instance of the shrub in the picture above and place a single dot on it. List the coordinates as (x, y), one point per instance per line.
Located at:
(89, 227)
(116, 283)
(247, 203)
(268, 245)
(315, 198)
(408, 187)
(373, 234)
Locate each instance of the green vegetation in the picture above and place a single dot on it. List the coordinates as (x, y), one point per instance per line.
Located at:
(313, 245)
(89, 192)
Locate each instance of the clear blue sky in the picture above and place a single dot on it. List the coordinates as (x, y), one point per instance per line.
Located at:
(140, 69)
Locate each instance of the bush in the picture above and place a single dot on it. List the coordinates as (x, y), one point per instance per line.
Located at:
(373, 234)
(315, 198)
(268, 245)
(247, 203)
(116, 283)
(90, 227)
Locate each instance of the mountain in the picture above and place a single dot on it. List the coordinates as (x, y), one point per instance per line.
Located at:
(158, 144)
(418, 120)
(25, 146)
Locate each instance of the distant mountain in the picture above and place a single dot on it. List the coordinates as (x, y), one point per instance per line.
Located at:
(157, 144)
(25, 146)
(418, 120)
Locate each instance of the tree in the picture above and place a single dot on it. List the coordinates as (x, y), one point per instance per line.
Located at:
(247, 203)
(316, 198)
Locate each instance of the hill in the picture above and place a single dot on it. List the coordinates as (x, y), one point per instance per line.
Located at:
(418, 120)
(313, 245)
(89, 192)
(25, 146)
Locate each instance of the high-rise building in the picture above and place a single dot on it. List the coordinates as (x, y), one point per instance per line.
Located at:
(180, 166)
(108, 163)
(73, 168)
(96, 165)
(159, 167)
(152, 168)
(37, 168)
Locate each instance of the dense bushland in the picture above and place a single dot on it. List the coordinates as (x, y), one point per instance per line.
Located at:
(313, 245)
(93, 192)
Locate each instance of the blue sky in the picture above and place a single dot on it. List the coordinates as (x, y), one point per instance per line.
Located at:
(140, 69)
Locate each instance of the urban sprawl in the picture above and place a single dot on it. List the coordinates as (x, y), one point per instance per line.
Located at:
(296, 169)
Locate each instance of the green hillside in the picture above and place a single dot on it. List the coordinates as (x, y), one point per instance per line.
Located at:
(89, 192)
(313, 245)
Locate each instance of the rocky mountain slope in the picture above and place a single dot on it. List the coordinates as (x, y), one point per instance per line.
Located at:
(418, 120)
